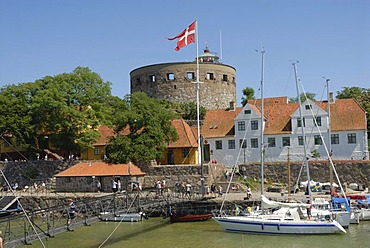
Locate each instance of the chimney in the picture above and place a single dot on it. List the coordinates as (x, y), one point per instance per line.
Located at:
(232, 106)
(331, 98)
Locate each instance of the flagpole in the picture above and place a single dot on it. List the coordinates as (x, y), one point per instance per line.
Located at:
(198, 111)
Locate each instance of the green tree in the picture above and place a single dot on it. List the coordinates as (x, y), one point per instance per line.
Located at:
(350, 92)
(143, 129)
(70, 107)
(188, 111)
(248, 94)
(303, 97)
(15, 113)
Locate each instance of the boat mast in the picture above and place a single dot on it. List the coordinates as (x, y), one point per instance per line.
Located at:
(329, 138)
(303, 132)
(262, 119)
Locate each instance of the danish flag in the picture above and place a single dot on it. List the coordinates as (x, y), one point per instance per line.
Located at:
(185, 37)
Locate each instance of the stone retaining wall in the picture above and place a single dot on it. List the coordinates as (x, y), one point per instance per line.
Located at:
(348, 171)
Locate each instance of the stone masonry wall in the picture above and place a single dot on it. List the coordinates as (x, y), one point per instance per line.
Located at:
(214, 93)
(348, 171)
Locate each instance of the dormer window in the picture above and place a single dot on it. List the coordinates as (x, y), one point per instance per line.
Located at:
(247, 112)
(308, 107)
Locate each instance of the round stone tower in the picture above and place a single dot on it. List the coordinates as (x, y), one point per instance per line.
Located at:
(176, 82)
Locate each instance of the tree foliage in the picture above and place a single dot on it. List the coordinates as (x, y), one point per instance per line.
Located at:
(188, 111)
(66, 108)
(143, 129)
(303, 97)
(248, 94)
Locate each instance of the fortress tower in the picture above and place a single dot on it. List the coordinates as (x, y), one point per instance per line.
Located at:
(175, 82)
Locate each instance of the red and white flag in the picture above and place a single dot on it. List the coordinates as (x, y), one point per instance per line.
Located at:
(185, 37)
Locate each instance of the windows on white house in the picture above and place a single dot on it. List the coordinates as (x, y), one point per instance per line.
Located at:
(254, 143)
(271, 142)
(351, 138)
(286, 141)
(231, 144)
(241, 125)
(254, 125)
(335, 139)
(218, 144)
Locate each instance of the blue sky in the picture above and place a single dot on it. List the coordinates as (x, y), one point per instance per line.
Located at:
(329, 38)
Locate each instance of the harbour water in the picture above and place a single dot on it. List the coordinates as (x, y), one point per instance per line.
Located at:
(159, 233)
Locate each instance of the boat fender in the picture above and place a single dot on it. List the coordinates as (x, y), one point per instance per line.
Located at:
(278, 227)
(263, 226)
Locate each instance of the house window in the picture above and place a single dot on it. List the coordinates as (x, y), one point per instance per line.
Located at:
(190, 75)
(241, 125)
(308, 107)
(170, 76)
(231, 144)
(299, 122)
(185, 153)
(152, 78)
(247, 112)
(96, 151)
(210, 76)
(318, 140)
(271, 142)
(218, 144)
(254, 143)
(254, 125)
(224, 77)
(300, 140)
(318, 121)
(351, 138)
(243, 143)
(335, 139)
(286, 141)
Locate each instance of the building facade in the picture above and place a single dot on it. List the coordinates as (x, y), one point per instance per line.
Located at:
(283, 135)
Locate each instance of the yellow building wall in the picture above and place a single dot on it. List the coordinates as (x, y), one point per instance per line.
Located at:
(89, 153)
(192, 158)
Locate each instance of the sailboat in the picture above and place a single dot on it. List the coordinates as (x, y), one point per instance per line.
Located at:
(289, 218)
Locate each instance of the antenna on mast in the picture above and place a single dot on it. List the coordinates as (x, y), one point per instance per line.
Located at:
(220, 46)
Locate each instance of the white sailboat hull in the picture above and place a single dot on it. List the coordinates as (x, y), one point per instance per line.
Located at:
(265, 225)
(365, 214)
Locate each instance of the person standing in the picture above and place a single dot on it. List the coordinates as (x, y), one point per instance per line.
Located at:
(1, 240)
(71, 212)
(98, 185)
(114, 186)
(119, 185)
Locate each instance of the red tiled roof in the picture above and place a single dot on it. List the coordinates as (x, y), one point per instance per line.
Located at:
(219, 123)
(186, 136)
(346, 114)
(105, 133)
(85, 169)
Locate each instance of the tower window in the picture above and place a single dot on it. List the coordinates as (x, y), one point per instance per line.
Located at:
(224, 78)
(190, 75)
(170, 76)
(152, 78)
(210, 76)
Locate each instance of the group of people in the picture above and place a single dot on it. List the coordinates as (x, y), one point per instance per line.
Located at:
(214, 188)
(160, 186)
